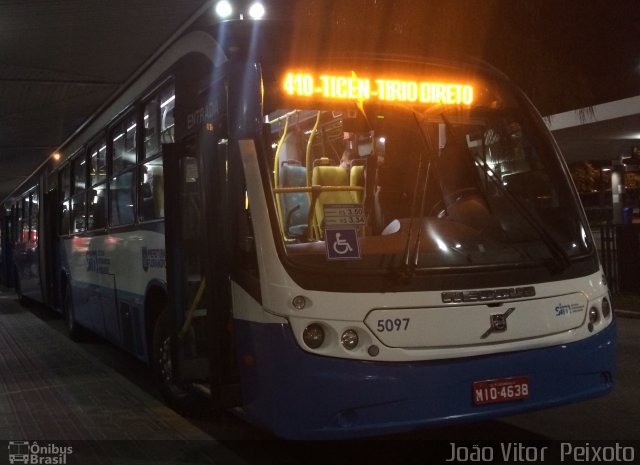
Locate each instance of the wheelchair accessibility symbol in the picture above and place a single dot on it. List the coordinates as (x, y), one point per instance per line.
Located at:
(342, 244)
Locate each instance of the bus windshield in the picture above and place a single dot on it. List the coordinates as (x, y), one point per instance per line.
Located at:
(408, 184)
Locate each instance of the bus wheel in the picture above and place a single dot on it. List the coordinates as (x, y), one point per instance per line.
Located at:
(161, 364)
(73, 330)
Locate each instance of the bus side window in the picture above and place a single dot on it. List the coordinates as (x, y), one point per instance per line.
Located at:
(167, 118)
(65, 217)
(33, 236)
(65, 195)
(98, 207)
(79, 204)
(16, 223)
(151, 133)
(152, 190)
(122, 201)
(21, 221)
(122, 186)
(124, 147)
(97, 202)
(78, 213)
(159, 121)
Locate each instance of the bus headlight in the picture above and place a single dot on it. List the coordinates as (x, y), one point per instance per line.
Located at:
(593, 315)
(606, 307)
(349, 339)
(299, 302)
(313, 336)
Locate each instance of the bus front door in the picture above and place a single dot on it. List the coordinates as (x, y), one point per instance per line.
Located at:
(185, 242)
(197, 271)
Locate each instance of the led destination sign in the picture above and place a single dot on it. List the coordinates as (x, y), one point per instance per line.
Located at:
(344, 87)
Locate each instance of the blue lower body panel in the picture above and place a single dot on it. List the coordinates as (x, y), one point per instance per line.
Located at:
(298, 395)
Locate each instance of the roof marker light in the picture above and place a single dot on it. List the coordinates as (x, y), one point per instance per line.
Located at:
(256, 10)
(224, 9)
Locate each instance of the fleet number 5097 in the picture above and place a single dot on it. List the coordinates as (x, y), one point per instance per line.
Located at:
(392, 324)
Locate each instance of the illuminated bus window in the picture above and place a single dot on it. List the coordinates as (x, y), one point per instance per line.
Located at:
(122, 201)
(65, 194)
(34, 210)
(97, 195)
(167, 118)
(159, 121)
(151, 136)
(78, 214)
(152, 190)
(124, 144)
(15, 214)
(23, 221)
(78, 201)
(98, 157)
(79, 174)
(65, 217)
(65, 182)
(97, 205)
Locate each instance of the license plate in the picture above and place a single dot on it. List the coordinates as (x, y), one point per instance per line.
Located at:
(494, 391)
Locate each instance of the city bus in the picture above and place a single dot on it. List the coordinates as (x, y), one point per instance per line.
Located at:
(202, 220)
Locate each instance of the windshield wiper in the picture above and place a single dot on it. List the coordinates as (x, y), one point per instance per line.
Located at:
(558, 253)
(411, 254)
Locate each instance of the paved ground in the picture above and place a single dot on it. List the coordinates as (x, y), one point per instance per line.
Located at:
(53, 393)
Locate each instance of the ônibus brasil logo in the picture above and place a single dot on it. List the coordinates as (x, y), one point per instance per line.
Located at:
(33, 453)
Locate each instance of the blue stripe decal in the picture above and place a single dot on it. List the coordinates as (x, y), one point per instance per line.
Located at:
(304, 396)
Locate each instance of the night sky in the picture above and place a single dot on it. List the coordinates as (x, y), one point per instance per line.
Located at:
(565, 54)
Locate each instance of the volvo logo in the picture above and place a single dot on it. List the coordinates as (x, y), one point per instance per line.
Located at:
(498, 322)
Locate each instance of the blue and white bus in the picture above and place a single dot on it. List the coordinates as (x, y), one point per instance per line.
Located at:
(203, 222)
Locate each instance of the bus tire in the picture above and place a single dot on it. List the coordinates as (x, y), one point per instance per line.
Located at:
(73, 329)
(174, 395)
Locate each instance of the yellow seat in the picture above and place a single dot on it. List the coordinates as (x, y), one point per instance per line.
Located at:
(330, 176)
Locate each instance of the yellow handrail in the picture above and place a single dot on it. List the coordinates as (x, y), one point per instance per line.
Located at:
(309, 164)
(276, 173)
(308, 161)
(192, 309)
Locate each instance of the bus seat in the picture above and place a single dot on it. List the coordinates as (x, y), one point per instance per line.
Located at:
(295, 205)
(330, 176)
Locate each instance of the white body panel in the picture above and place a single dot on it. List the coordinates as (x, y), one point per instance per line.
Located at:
(458, 325)
(125, 261)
